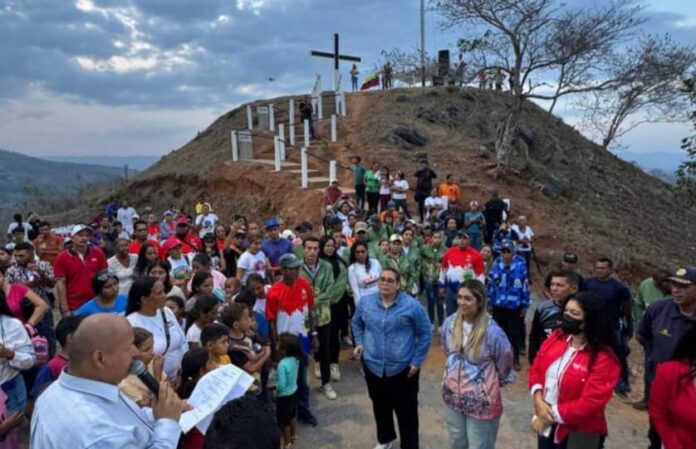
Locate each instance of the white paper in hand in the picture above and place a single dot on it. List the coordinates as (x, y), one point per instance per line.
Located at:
(212, 391)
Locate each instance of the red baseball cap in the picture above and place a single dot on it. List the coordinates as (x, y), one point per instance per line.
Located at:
(182, 220)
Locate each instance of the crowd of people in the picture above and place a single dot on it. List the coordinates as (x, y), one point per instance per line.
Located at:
(184, 294)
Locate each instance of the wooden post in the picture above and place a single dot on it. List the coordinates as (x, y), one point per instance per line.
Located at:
(281, 134)
(291, 121)
(235, 148)
(276, 152)
(333, 128)
(305, 173)
(271, 118)
(332, 171)
(306, 133)
(250, 118)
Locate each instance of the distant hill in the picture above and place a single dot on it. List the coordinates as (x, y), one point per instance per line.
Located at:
(668, 162)
(135, 162)
(30, 183)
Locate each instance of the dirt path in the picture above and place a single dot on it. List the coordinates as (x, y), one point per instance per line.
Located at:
(347, 422)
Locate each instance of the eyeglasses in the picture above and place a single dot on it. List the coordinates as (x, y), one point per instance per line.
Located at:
(387, 280)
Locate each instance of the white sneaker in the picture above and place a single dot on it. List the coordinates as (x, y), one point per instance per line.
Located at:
(388, 445)
(328, 391)
(335, 373)
(317, 370)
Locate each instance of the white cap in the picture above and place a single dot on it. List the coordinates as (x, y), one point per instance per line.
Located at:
(78, 228)
(288, 234)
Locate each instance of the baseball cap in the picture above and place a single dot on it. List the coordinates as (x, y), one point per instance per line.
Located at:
(289, 261)
(391, 204)
(288, 234)
(684, 275)
(79, 228)
(570, 258)
(171, 244)
(272, 223)
(334, 221)
(462, 233)
(395, 237)
(182, 220)
(508, 244)
(304, 226)
(361, 226)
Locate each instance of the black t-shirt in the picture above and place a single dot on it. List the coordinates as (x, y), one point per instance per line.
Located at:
(494, 209)
(239, 351)
(424, 180)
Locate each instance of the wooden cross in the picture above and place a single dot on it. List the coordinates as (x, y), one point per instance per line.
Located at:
(336, 56)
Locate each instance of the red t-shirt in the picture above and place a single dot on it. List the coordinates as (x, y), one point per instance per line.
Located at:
(290, 305)
(189, 244)
(78, 272)
(14, 300)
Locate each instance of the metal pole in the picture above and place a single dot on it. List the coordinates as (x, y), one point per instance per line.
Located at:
(250, 118)
(306, 133)
(271, 117)
(276, 152)
(303, 162)
(235, 148)
(281, 134)
(422, 36)
(333, 128)
(291, 121)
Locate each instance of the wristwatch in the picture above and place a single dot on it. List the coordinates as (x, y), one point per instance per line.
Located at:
(314, 333)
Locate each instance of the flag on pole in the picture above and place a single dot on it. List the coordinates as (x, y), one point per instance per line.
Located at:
(371, 81)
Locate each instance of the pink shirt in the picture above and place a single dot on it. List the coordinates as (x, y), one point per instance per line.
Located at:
(14, 300)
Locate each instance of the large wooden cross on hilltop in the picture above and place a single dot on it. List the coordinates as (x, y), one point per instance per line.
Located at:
(336, 56)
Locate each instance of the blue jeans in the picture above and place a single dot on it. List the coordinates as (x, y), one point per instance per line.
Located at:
(451, 300)
(16, 393)
(435, 303)
(303, 392)
(470, 433)
(476, 240)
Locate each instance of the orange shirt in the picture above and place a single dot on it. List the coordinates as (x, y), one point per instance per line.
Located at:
(48, 248)
(395, 215)
(451, 191)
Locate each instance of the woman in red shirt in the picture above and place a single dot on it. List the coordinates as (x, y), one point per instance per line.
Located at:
(573, 376)
(672, 404)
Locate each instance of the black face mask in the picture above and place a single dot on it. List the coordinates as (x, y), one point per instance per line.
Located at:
(570, 325)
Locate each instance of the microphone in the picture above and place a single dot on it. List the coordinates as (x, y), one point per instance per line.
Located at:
(139, 369)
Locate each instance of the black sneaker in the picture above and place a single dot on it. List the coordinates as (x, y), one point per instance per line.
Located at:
(309, 419)
(516, 366)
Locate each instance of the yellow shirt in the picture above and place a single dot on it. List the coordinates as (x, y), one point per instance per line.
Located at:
(223, 360)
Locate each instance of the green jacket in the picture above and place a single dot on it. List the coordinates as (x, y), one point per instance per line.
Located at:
(431, 260)
(298, 250)
(414, 254)
(376, 236)
(407, 268)
(340, 284)
(321, 284)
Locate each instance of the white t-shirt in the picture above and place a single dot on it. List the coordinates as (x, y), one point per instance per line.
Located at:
(527, 234)
(207, 223)
(124, 274)
(194, 334)
(434, 202)
(177, 340)
(252, 263)
(26, 226)
(402, 184)
(384, 187)
(125, 216)
(180, 266)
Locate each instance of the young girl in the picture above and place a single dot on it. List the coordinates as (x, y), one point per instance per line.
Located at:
(133, 387)
(195, 364)
(210, 248)
(201, 285)
(289, 353)
(204, 312)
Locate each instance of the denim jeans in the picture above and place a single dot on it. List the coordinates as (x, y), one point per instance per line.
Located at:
(303, 392)
(451, 300)
(435, 303)
(16, 392)
(476, 240)
(470, 433)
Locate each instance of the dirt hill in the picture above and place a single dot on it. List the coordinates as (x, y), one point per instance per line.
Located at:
(576, 195)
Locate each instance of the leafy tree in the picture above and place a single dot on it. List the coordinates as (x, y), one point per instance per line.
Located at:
(686, 173)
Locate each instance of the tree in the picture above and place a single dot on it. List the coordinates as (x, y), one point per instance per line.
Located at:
(686, 173)
(527, 38)
(649, 89)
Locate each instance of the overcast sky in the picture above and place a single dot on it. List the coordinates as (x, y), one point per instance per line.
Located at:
(118, 77)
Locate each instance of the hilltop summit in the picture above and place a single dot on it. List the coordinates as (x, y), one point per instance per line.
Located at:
(576, 195)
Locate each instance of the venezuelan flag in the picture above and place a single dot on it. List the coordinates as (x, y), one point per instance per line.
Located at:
(371, 81)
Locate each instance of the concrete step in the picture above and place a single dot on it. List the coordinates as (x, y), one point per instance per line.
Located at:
(271, 162)
(346, 190)
(299, 171)
(322, 180)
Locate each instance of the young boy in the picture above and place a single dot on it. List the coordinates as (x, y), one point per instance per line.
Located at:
(216, 338)
(237, 317)
(52, 369)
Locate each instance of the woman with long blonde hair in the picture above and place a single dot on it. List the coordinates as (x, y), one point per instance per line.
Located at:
(479, 362)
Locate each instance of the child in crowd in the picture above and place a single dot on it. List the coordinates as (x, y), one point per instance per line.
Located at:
(204, 312)
(216, 338)
(289, 354)
(232, 289)
(196, 363)
(259, 321)
(131, 386)
(176, 304)
(201, 285)
(243, 352)
(51, 370)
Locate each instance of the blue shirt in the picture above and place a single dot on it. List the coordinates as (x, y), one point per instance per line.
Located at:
(273, 250)
(508, 285)
(286, 380)
(91, 307)
(358, 175)
(473, 227)
(617, 296)
(79, 413)
(261, 325)
(392, 338)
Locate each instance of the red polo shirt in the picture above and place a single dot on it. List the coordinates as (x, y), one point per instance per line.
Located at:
(189, 244)
(78, 272)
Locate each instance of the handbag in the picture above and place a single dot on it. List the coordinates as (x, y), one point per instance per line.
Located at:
(583, 440)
